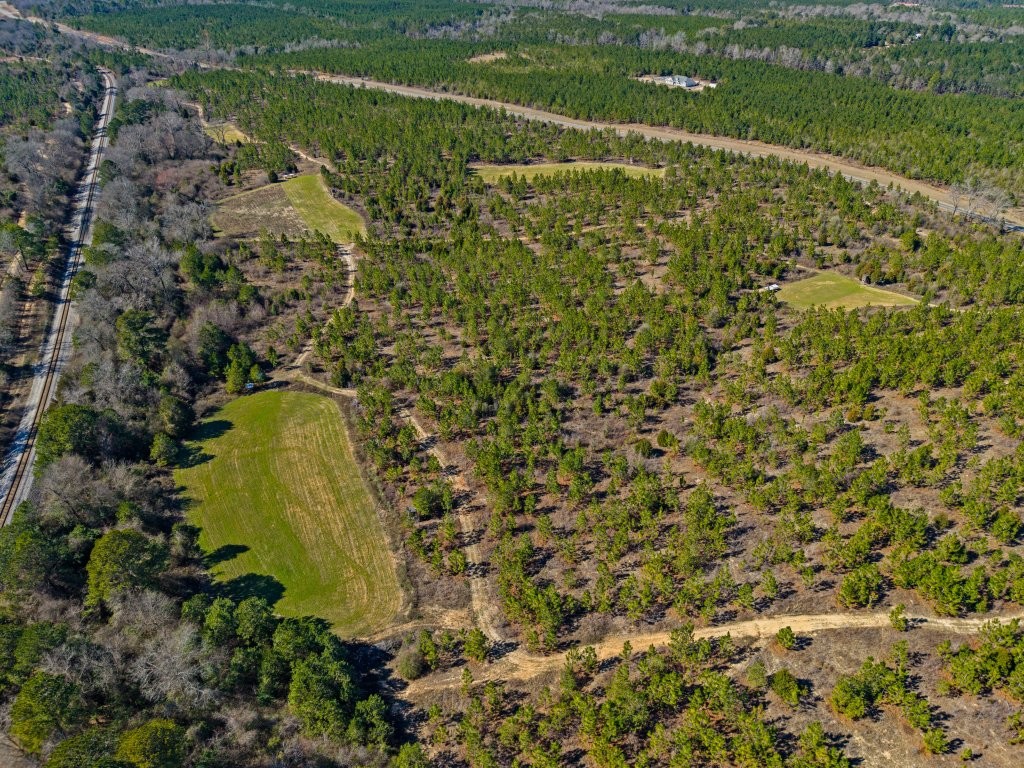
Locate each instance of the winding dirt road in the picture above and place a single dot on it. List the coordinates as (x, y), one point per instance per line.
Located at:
(483, 606)
(521, 665)
(831, 163)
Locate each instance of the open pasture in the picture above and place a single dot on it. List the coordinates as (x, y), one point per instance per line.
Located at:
(310, 197)
(835, 291)
(284, 512)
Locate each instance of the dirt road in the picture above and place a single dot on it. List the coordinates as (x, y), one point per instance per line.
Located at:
(521, 665)
(483, 606)
(831, 163)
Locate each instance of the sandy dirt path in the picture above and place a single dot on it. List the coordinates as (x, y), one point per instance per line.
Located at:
(522, 665)
(483, 606)
(831, 163)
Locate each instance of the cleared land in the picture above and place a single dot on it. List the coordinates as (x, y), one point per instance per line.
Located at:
(487, 58)
(292, 207)
(225, 133)
(491, 173)
(246, 215)
(274, 485)
(314, 203)
(836, 291)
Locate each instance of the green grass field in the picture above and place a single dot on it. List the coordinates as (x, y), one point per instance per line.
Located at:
(491, 173)
(314, 203)
(274, 486)
(828, 289)
(291, 207)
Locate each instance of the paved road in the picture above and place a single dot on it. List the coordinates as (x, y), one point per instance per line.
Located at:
(853, 171)
(16, 477)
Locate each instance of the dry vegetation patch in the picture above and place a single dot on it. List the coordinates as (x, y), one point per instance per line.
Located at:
(492, 173)
(226, 133)
(245, 216)
(291, 208)
(487, 58)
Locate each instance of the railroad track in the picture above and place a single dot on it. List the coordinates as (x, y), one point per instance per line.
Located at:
(16, 480)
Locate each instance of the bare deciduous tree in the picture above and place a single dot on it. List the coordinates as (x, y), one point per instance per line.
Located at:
(175, 666)
(123, 204)
(186, 223)
(143, 279)
(65, 491)
(997, 200)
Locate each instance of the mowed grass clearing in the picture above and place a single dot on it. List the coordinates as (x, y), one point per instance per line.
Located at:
(276, 492)
(492, 173)
(225, 133)
(835, 291)
(291, 207)
(314, 203)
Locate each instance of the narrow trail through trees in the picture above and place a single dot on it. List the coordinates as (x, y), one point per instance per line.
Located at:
(522, 665)
(519, 663)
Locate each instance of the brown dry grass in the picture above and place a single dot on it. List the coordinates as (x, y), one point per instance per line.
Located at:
(245, 216)
(487, 58)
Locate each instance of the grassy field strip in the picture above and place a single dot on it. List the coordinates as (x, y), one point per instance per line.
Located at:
(835, 291)
(291, 207)
(491, 173)
(277, 493)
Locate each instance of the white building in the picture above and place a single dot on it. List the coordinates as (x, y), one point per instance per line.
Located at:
(682, 81)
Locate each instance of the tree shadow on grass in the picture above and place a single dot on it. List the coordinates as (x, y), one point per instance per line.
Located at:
(210, 429)
(252, 585)
(192, 453)
(223, 554)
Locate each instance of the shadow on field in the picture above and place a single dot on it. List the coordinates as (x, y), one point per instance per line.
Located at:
(251, 585)
(223, 554)
(192, 454)
(208, 430)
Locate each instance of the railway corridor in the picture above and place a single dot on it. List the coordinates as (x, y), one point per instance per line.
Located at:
(16, 477)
